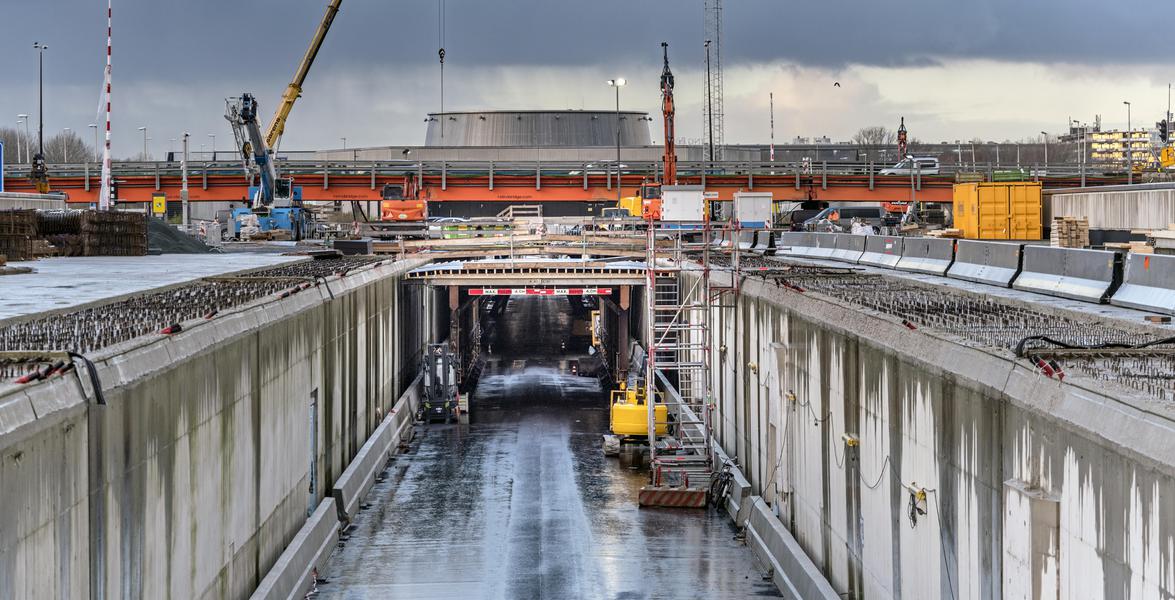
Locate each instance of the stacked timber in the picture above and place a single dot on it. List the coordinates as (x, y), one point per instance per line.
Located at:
(1069, 232)
(1163, 239)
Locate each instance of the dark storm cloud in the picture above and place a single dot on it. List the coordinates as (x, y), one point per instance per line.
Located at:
(202, 40)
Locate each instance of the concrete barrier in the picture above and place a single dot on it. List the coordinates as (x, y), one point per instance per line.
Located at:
(793, 572)
(926, 255)
(1148, 284)
(290, 576)
(808, 245)
(356, 480)
(1086, 275)
(993, 263)
(848, 247)
(793, 243)
(882, 251)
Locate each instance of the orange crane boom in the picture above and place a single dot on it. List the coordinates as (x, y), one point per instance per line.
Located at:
(670, 173)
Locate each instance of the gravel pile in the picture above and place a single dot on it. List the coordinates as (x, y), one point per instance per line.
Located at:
(169, 240)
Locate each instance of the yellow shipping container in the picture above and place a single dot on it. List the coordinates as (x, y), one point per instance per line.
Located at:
(1002, 210)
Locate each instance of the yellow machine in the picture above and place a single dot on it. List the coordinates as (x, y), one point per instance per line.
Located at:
(630, 417)
(1167, 157)
(277, 126)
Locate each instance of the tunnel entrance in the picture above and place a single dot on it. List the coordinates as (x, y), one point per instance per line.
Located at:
(586, 333)
(539, 350)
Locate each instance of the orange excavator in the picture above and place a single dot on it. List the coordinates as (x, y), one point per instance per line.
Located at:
(647, 203)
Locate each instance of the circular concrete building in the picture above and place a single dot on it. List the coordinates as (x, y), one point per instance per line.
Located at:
(537, 129)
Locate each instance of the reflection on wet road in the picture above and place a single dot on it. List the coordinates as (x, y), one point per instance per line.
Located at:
(523, 504)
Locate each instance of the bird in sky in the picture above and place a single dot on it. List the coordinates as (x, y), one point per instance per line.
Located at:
(836, 84)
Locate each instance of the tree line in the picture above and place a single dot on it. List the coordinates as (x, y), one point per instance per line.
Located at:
(65, 146)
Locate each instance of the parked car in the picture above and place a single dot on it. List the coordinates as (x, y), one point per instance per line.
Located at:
(927, 165)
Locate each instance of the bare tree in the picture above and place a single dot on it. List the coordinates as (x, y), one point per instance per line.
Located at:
(872, 138)
(14, 144)
(68, 146)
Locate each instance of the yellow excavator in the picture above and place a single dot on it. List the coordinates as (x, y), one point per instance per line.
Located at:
(629, 417)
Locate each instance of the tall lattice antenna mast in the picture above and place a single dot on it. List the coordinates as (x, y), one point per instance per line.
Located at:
(712, 117)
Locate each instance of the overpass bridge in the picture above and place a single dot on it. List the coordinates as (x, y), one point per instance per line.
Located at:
(499, 184)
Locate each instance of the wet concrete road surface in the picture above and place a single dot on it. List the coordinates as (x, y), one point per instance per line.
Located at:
(523, 504)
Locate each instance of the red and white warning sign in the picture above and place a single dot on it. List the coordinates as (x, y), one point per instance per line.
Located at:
(528, 291)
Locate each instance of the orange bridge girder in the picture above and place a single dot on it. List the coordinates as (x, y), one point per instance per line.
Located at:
(362, 182)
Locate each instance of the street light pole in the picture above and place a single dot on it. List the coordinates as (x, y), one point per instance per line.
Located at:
(213, 136)
(1129, 145)
(710, 109)
(617, 83)
(39, 173)
(65, 144)
(344, 142)
(184, 182)
(94, 126)
(144, 130)
(27, 154)
(1046, 150)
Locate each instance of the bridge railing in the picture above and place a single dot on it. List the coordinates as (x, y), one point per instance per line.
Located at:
(458, 169)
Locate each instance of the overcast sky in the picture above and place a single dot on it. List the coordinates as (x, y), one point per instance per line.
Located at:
(994, 69)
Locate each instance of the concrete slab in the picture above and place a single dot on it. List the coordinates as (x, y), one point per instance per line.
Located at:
(58, 283)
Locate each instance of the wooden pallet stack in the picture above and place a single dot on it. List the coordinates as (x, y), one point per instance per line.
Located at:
(1070, 232)
(1163, 239)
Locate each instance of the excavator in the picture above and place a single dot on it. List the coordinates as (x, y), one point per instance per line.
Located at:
(276, 201)
(647, 203)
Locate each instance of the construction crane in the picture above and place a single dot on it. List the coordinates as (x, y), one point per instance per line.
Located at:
(277, 126)
(647, 203)
(241, 113)
(667, 112)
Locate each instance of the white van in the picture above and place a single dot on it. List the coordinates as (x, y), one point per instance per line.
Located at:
(927, 165)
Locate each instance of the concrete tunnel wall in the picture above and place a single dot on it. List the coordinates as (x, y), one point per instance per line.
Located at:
(195, 477)
(1026, 502)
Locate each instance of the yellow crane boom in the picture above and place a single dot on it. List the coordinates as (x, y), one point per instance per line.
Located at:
(277, 126)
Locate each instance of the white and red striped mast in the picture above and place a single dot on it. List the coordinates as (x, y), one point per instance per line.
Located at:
(104, 193)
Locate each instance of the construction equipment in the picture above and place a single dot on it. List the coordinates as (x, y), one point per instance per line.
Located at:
(275, 201)
(277, 126)
(628, 417)
(440, 399)
(258, 151)
(647, 203)
(402, 202)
